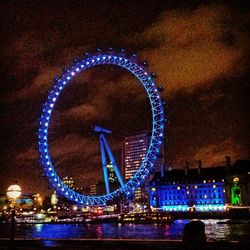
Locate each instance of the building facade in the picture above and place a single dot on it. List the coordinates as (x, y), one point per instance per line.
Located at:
(238, 183)
(69, 182)
(25, 202)
(202, 189)
(133, 152)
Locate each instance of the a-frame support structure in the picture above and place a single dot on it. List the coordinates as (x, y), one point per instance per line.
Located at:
(105, 150)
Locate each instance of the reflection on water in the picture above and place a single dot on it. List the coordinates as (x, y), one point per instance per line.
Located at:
(214, 231)
(38, 227)
(99, 231)
(217, 231)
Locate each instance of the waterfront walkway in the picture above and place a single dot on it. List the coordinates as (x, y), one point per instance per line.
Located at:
(110, 244)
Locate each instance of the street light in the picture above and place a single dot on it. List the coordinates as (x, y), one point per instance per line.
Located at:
(13, 193)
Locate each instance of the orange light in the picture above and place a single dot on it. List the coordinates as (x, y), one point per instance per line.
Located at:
(236, 179)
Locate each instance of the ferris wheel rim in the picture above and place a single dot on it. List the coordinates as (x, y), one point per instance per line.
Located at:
(156, 136)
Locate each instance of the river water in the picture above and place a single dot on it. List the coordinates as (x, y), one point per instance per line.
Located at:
(214, 231)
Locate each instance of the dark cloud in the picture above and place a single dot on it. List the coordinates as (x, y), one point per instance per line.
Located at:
(199, 51)
(206, 124)
(191, 51)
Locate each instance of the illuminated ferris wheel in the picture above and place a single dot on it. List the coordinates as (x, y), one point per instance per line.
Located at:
(147, 81)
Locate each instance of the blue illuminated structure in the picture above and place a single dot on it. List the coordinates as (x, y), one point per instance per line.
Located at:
(182, 192)
(147, 81)
(105, 147)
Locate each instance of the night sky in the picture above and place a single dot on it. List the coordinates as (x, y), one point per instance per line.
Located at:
(199, 50)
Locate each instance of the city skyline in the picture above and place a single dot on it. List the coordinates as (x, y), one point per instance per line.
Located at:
(199, 52)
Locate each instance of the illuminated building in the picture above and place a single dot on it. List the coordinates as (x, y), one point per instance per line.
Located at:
(38, 200)
(202, 189)
(238, 183)
(112, 178)
(54, 199)
(28, 201)
(100, 189)
(93, 190)
(133, 152)
(69, 182)
(236, 192)
(25, 201)
(182, 192)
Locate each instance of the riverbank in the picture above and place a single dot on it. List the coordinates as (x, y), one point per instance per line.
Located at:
(153, 217)
(232, 214)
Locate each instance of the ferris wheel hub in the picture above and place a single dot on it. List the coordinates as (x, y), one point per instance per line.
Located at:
(100, 130)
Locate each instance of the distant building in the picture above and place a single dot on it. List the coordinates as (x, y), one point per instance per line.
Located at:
(111, 174)
(202, 189)
(93, 189)
(69, 182)
(238, 183)
(133, 152)
(25, 201)
(54, 199)
(100, 189)
(180, 190)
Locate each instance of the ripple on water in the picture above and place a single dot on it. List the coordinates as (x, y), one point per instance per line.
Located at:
(214, 231)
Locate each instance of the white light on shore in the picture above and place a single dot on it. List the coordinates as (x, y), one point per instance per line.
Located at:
(14, 191)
